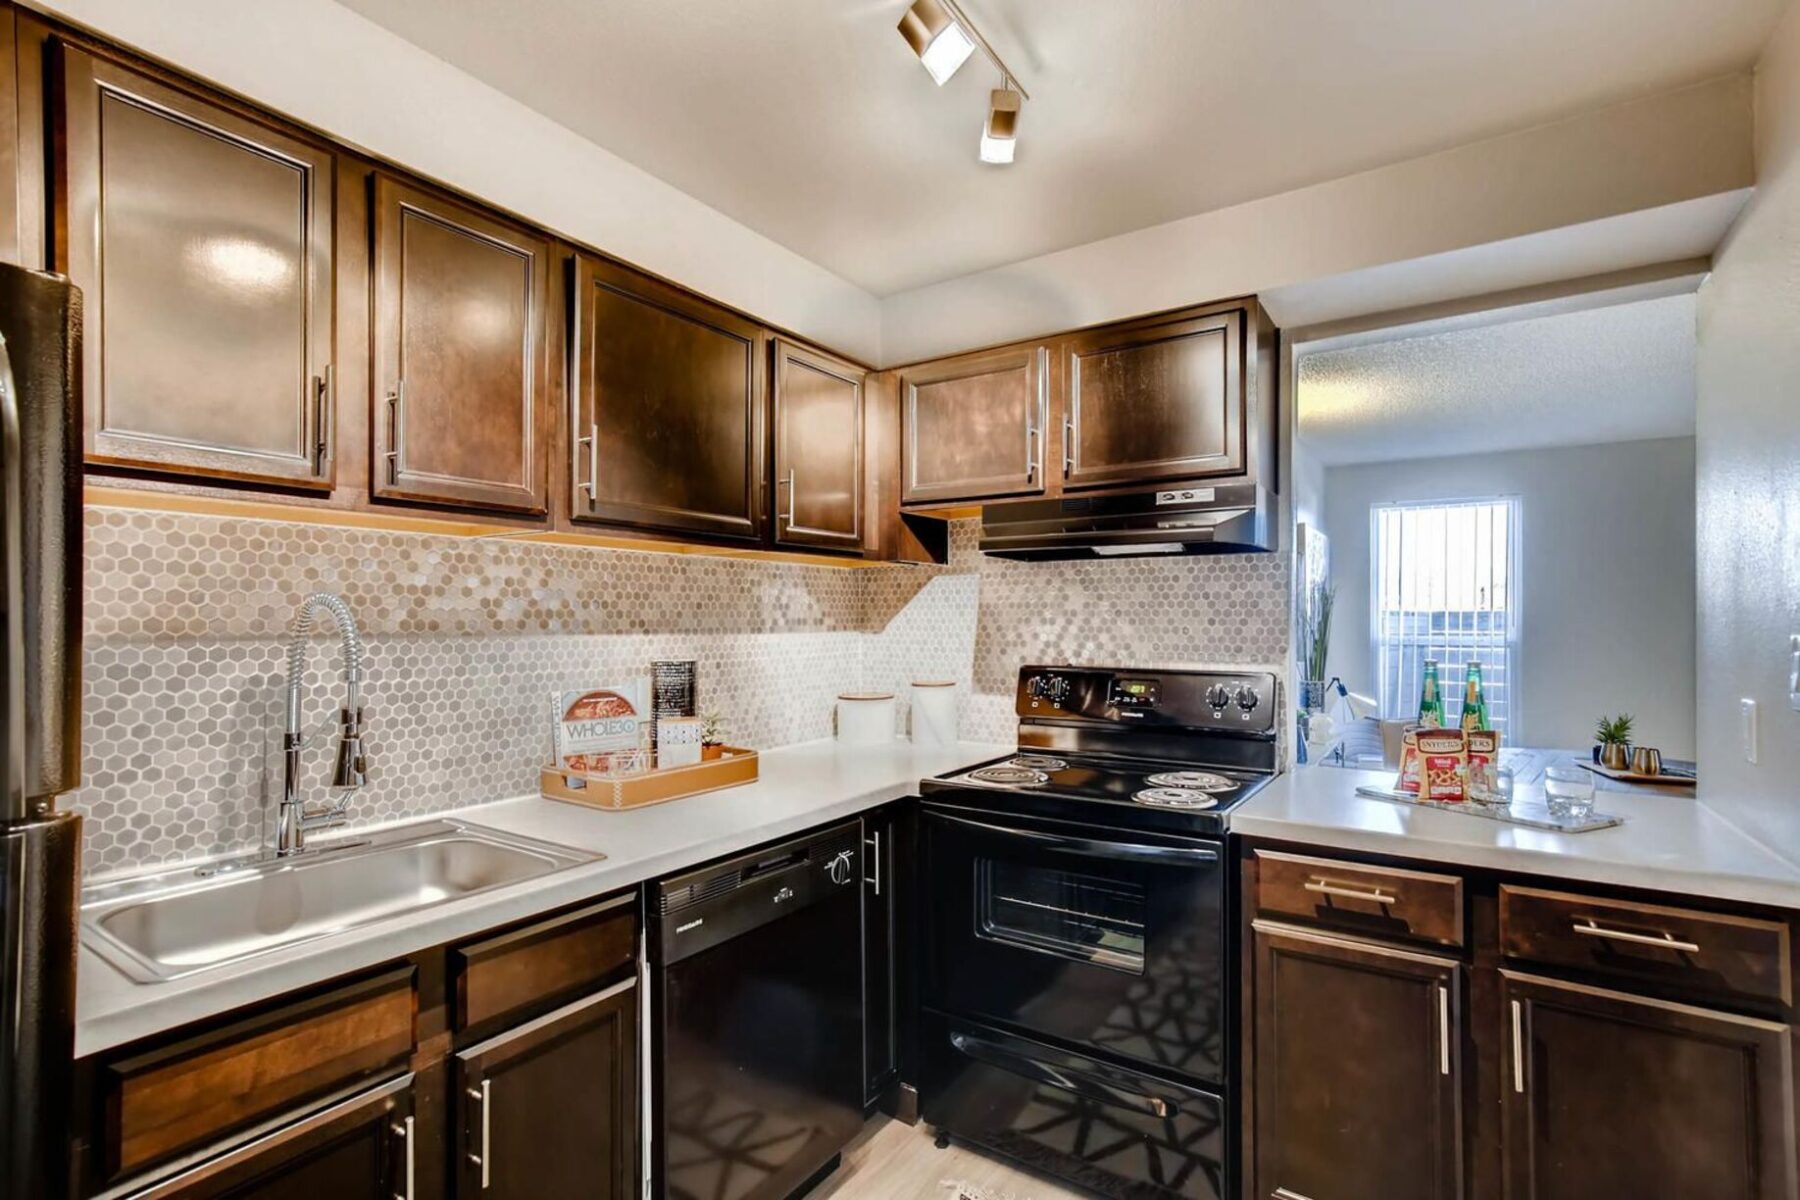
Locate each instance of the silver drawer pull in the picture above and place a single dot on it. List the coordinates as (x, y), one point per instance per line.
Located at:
(1443, 1030)
(1664, 941)
(1518, 1050)
(485, 1096)
(1285, 1194)
(590, 485)
(404, 1130)
(1373, 895)
(397, 415)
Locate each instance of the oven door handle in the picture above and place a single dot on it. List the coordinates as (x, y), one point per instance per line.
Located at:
(1080, 1082)
(1126, 851)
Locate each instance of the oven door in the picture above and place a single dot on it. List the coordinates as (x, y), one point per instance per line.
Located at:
(1108, 940)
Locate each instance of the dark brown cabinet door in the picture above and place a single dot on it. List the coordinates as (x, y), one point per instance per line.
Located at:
(667, 408)
(459, 354)
(973, 427)
(1157, 400)
(548, 1111)
(1357, 1053)
(881, 952)
(1608, 1094)
(818, 403)
(202, 243)
(364, 1148)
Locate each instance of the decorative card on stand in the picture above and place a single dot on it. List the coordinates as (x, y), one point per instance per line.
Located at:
(678, 740)
(604, 731)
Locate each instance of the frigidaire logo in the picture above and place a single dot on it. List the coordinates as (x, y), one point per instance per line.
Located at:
(785, 893)
(694, 924)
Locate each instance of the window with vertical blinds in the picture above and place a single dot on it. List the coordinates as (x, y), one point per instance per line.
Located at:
(1445, 584)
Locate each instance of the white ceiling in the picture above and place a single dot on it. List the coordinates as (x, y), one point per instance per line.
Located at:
(1612, 374)
(811, 122)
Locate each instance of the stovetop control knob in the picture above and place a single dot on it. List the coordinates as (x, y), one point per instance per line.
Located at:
(1053, 688)
(1218, 695)
(1248, 698)
(840, 868)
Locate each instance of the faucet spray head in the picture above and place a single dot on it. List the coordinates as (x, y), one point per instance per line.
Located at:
(350, 770)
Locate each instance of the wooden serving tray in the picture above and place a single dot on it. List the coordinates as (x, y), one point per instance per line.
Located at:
(1629, 776)
(616, 792)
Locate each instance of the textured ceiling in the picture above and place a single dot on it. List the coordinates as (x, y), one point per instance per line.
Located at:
(811, 122)
(1613, 374)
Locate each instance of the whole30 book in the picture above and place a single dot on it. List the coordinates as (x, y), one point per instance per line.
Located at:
(605, 730)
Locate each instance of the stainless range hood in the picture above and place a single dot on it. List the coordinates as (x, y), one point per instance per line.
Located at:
(1231, 518)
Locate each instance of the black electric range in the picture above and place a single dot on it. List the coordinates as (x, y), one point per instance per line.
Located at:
(1077, 984)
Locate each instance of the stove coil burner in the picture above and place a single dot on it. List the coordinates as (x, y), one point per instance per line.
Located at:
(1037, 762)
(1174, 797)
(1008, 773)
(1198, 781)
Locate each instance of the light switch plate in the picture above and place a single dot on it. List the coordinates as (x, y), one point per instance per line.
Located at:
(1794, 672)
(1747, 728)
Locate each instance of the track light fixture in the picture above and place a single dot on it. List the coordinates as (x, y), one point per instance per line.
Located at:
(1000, 134)
(943, 37)
(936, 36)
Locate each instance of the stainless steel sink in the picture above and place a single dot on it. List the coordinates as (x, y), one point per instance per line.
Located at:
(178, 922)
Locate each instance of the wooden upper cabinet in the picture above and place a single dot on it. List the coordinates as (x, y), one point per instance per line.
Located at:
(201, 239)
(667, 408)
(1609, 1094)
(1160, 399)
(818, 402)
(459, 354)
(972, 427)
(1356, 1067)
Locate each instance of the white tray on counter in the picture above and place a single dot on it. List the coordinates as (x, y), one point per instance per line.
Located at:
(1528, 811)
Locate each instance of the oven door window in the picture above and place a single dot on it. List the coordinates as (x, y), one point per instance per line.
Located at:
(1082, 918)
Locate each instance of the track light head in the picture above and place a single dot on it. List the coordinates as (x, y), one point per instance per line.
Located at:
(939, 40)
(1000, 134)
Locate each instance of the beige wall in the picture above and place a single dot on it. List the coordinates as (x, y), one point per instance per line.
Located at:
(1748, 460)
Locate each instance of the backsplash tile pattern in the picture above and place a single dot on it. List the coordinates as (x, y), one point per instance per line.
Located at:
(1224, 611)
(468, 639)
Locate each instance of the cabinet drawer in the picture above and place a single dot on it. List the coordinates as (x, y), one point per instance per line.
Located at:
(529, 967)
(195, 1091)
(1373, 901)
(1696, 953)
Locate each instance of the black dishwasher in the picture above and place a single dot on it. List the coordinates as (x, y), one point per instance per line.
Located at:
(757, 1029)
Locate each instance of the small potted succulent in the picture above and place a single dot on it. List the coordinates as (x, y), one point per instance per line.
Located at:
(712, 736)
(1614, 737)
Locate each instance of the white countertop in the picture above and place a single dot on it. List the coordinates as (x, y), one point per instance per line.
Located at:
(799, 787)
(1669, 842)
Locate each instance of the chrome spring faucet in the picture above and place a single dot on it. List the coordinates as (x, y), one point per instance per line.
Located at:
(350, 768)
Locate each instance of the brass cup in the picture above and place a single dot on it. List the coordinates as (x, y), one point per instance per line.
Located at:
(1646, 760)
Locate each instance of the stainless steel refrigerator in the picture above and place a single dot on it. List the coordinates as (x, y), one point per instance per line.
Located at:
(40, 658)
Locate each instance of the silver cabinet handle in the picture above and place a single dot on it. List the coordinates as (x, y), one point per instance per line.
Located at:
(1285, 1194)
(1068, 434)
(322, 420)
(873, 841)
(404, 1130)
(1031, 434)
(485, 1097)
(397, 419)
(1518, 1040)
(1443, 1030)
(793, 493)
(1327, 888)
(1588, 928)
(592, 442)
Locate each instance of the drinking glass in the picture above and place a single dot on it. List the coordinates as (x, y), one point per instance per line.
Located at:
(1569, 792)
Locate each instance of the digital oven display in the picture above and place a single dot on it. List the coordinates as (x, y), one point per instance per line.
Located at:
(1134, 693)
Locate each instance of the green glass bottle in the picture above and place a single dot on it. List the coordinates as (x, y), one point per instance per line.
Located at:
(1474, 705)
(1431, 702)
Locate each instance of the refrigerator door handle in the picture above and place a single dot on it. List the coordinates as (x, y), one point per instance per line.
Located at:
(12, 566)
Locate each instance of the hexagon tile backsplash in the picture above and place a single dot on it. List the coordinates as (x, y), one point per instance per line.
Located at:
(468, 639)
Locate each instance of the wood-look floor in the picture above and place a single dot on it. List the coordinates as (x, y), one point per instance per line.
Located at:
(894, 1161)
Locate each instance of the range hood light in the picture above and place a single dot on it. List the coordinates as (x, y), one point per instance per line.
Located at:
(941, 43)
(999, 136)
(1105, 551)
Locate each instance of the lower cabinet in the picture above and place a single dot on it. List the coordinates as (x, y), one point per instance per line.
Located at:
(362, 1148)
(549, 1110)
(1357, 1095)
(881, 953)
(1611, 1094)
